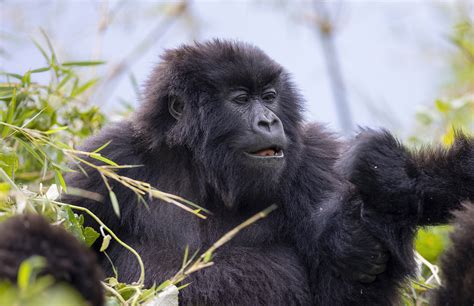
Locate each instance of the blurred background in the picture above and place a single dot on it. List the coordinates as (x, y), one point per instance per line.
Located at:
(357, 63)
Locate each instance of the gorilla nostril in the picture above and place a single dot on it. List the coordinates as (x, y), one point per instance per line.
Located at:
(264, 124)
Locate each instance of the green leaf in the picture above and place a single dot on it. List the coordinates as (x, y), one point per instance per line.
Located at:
(442, 107)
(207, 256)
(84, 63)
(186, 254)
(13, 75)
(90, 236)
(56, 130)
(84, 87)
(46, 57)
(104, 159)
(8, 160)
(26, 80)
(50, 46)
(115, 204)
(64, 80)
(28, 271)
(6, 95)
(102, 147)
(40, 70)
(163, 285)
(105, 243)
(73, 225)
(10, 114)
(430, 242)
(31, 150)
(60, 178)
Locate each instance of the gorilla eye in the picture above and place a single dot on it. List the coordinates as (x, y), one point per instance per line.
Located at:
(242, 98)
(269, 95)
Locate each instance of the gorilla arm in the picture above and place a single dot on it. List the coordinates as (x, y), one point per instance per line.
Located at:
(394, 191)
(345, 259)
(421, 187)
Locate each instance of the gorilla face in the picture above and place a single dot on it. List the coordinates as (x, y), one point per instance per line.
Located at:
(253, 135)
(234, 109)
(245, 142)
(262, 138)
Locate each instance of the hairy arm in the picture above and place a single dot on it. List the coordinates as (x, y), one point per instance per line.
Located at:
(347, 260)
(412, 187)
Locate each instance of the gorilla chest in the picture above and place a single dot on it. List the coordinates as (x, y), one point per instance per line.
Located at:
(269, 275)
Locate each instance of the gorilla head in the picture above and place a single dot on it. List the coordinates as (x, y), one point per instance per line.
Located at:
(232, 110)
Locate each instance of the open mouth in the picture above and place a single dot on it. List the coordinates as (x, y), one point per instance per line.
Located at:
(268, 152)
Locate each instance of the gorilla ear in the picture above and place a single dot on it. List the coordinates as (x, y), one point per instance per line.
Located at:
(175, 107)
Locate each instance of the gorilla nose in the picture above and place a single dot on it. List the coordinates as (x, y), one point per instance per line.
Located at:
(269, 124)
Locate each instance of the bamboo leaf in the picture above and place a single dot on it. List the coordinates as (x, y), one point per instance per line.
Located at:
(45, 55)
(102, 158)
(102, 146)
(40, 70)
(13, 75)
(10, 114)
(115, 204)
(60, 178)
(56, 130)
(83, 63)
(84, 87)
(31, 150)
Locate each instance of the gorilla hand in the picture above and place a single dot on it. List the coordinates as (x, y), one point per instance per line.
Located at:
(367, 258)
(352, 250)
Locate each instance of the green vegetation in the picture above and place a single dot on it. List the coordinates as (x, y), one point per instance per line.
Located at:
(455, 111)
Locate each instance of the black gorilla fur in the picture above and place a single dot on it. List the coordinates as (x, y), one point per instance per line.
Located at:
(457, 264)
(67, 259)
(347, 212)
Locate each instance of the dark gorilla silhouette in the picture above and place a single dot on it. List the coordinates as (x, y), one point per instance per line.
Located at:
(221, 125)
(457, 264)
(67, 259)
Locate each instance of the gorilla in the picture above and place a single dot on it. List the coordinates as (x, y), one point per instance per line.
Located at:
(25, 235)
(221, 125)
(457, 264)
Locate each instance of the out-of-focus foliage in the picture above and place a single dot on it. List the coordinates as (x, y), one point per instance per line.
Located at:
(438, 123)
(463, 62)
(55, 110)
(432, 241)
(33, 290)
(39, 127)
(455, 111)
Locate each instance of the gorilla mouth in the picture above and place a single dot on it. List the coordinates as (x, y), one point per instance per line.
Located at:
(268, 153)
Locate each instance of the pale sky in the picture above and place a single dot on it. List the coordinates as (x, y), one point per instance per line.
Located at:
(393, 53)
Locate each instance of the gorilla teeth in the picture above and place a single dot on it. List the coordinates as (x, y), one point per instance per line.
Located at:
(266, 152)
(269, 152)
